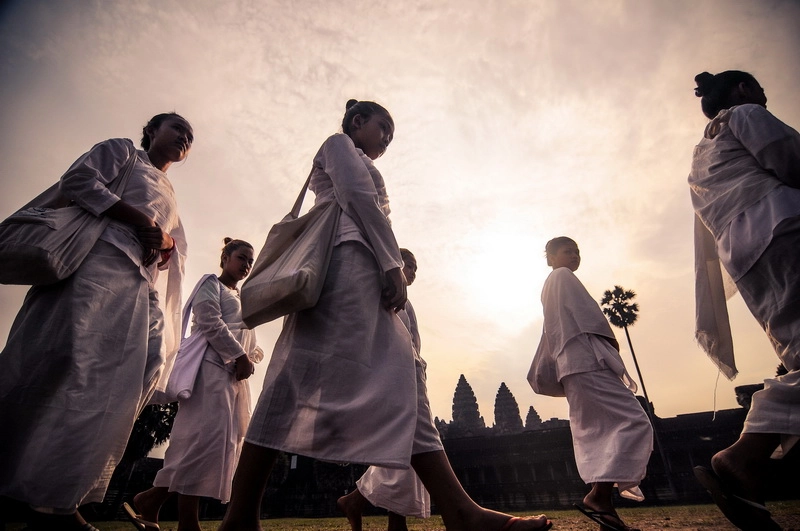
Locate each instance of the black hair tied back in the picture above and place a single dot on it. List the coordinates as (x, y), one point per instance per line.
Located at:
(705, 84)
(349, 104)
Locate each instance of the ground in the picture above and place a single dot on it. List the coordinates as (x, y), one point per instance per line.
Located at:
(673, 518)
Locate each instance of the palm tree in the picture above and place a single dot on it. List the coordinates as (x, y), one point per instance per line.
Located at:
(622, 313)
(152, 427)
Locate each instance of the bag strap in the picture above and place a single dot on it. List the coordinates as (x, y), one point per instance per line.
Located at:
(121, 181)
(187, 309)
(298, 204)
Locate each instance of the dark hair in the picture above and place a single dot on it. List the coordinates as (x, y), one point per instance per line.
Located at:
(555, 244)
(405, 253)
(365, 109)
(716, 90)
(230, 246)
(154, 123)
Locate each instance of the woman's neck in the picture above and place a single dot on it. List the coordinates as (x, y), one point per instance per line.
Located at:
(160, 162)
(228, 282)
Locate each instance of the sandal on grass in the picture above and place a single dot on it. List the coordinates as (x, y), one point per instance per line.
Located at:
(608, 521)
(136, 519)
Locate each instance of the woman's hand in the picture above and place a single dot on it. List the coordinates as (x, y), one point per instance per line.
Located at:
(154, 240)
(394, 295)
(244, 367)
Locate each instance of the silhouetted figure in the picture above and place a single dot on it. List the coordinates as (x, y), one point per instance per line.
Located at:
(744, 187)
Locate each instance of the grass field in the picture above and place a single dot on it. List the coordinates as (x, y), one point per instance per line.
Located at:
(672, 518)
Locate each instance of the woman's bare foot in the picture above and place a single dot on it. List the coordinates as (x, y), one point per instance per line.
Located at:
(493, 520)
(741, 466)
(148, 503)
(352, 505)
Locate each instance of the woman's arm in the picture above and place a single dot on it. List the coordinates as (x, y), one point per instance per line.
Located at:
(86, 183)
(355, 192)
(208, 321)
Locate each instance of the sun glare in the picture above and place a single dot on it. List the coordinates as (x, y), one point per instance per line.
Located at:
(503, 275)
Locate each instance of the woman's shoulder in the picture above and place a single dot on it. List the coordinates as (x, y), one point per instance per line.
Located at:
(757, 125)
(112, 149)
(337, 141)
(562, 273)
(208, 284)
(122, 145)
(748, 112)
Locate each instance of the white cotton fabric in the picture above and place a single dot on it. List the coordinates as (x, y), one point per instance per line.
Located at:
(210, 425)
(398, 491)
(362, 197)
(69, 397)
(611, 434)
(401, 491)
(572, 321)
(341, 384)
(746, 172)
(743, 184)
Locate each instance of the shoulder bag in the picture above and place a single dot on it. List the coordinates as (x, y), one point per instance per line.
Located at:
(290, 269)
(42, 245)
(190, 355)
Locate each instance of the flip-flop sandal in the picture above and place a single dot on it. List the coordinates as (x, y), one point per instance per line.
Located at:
(514, 519)
(603, 517)
(744, 514)
(136, 519)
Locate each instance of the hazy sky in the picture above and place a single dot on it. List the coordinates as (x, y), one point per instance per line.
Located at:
(516, 121)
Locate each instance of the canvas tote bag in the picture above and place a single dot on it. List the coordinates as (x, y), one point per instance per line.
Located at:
(42, 245)
(543, 375)
(290, 269)
(190, 355)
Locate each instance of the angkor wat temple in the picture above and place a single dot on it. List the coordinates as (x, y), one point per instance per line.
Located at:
(511, 466)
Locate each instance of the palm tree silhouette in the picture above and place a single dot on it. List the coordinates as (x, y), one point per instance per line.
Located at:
(622, 313)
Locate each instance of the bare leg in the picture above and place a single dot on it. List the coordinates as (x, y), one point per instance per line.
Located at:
(188, 513)
(352, 505)
(249, 481)
(149, 502)
(742, 465)
(397, 522)
(459, 511)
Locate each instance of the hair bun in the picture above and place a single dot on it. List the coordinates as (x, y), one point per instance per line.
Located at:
(705, 83)
(350, 103)
(227, 240)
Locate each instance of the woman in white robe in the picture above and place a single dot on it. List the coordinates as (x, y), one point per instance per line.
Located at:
(341, 384)
(85, 354)
(745, 189)
(578, 357)
(210, 425)
(399, 491)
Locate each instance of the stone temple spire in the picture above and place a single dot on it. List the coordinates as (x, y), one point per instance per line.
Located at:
(467, 418)
(506, 412)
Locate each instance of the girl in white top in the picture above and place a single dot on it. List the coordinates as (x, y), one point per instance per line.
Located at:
(210, 425)
(745, 189)
(341, 384)
(578, 357)
(85, 354)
